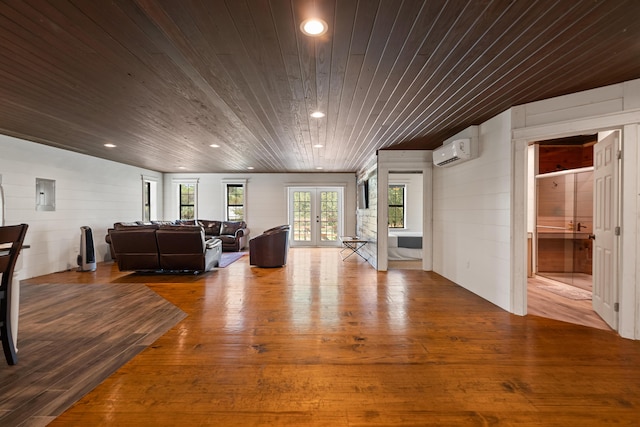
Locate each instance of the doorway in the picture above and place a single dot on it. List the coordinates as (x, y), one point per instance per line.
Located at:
(560, 284)
(316, 216)
(404, 219)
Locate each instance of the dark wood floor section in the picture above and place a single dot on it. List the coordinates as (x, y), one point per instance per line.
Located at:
(323, 342)
(71, 337)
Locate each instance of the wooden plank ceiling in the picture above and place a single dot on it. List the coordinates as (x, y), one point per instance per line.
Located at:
(164, 79)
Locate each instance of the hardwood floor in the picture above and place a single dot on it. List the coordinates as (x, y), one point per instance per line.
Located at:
(323, 342)
(71, 337)
(543, 303)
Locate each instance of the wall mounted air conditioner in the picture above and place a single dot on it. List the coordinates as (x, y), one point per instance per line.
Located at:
(454, 152)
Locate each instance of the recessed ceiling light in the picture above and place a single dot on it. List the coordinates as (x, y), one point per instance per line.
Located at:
(214, 146)
(318, 146)
(250, 167)
(109, 145)
(182, 167)
(314, 27)
(317, 114)
(318, 167)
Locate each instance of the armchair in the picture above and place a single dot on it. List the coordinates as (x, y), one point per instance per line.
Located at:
(270, 248)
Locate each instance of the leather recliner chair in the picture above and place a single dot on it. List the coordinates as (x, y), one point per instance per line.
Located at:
(270, 248)
(135, 247)
(183, 247)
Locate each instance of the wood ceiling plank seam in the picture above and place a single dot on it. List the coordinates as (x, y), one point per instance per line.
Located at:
(388, 60)
(262, 134)
(268, 91)
(38, 110)
(341, 29)
(323, 50)
(33, 60)
(578, 85)
(359, 38)
(209, 123)
(448, 19)
(176, 47)
(578, 48)
(235, 152)
(385, 19)
(104, 40)
(242, 102)
(287, 33)
(404, 66)
(418, 111)
(508, 58)
(132, 53)
(467, 21)
(305, 47)
(577, 51)
(378, 130)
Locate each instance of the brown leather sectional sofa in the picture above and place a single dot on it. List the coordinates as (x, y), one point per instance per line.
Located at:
(160, 247)
(234, 234)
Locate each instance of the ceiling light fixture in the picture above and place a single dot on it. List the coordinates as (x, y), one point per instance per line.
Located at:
(109, 145)
(182, 167)
(250, 167)
(214, 146)
(318, 146)
(319, 167)
(317, 114)
(313, 27)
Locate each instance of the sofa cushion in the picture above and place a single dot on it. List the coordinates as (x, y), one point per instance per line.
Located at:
(230, 227)
(130, 225)
(226, 238)
(211, 228)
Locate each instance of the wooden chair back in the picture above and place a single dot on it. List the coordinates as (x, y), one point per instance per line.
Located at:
(11, 239)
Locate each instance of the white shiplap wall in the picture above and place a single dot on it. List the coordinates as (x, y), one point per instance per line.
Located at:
(89, 191)
(471, 216)
(266, 196)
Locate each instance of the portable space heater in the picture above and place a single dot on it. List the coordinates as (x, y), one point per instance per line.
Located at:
(87, 257)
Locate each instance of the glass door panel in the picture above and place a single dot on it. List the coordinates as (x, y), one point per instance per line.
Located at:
(555, 225)
(316, 216)
(329, 216)
(564, 222)
(301, 209)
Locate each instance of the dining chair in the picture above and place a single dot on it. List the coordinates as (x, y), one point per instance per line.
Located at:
(11, 238)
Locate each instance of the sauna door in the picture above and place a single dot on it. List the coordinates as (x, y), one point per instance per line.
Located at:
(605, 209)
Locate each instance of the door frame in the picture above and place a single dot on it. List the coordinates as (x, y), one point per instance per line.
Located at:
(628, 267)
(405, 161)
(315, 210)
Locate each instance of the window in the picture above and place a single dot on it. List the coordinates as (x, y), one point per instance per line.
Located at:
(396, 206)
(146, 201)
(235, 202)
(187, 201)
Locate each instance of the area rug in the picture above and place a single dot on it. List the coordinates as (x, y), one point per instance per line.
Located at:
(228, 258)
(567, 291)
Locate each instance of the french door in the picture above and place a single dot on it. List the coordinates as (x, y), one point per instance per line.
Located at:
(315, 215)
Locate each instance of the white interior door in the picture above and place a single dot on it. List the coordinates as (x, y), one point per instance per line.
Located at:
(315, 215)
(605, 220)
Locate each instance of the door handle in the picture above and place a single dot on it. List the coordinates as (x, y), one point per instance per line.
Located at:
(592, 236)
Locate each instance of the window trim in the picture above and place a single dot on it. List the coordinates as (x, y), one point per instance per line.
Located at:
(403, 206)
(152, 183)
(226, 183)
(177, 182)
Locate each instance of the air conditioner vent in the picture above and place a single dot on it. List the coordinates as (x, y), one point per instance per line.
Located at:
(455, 152)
